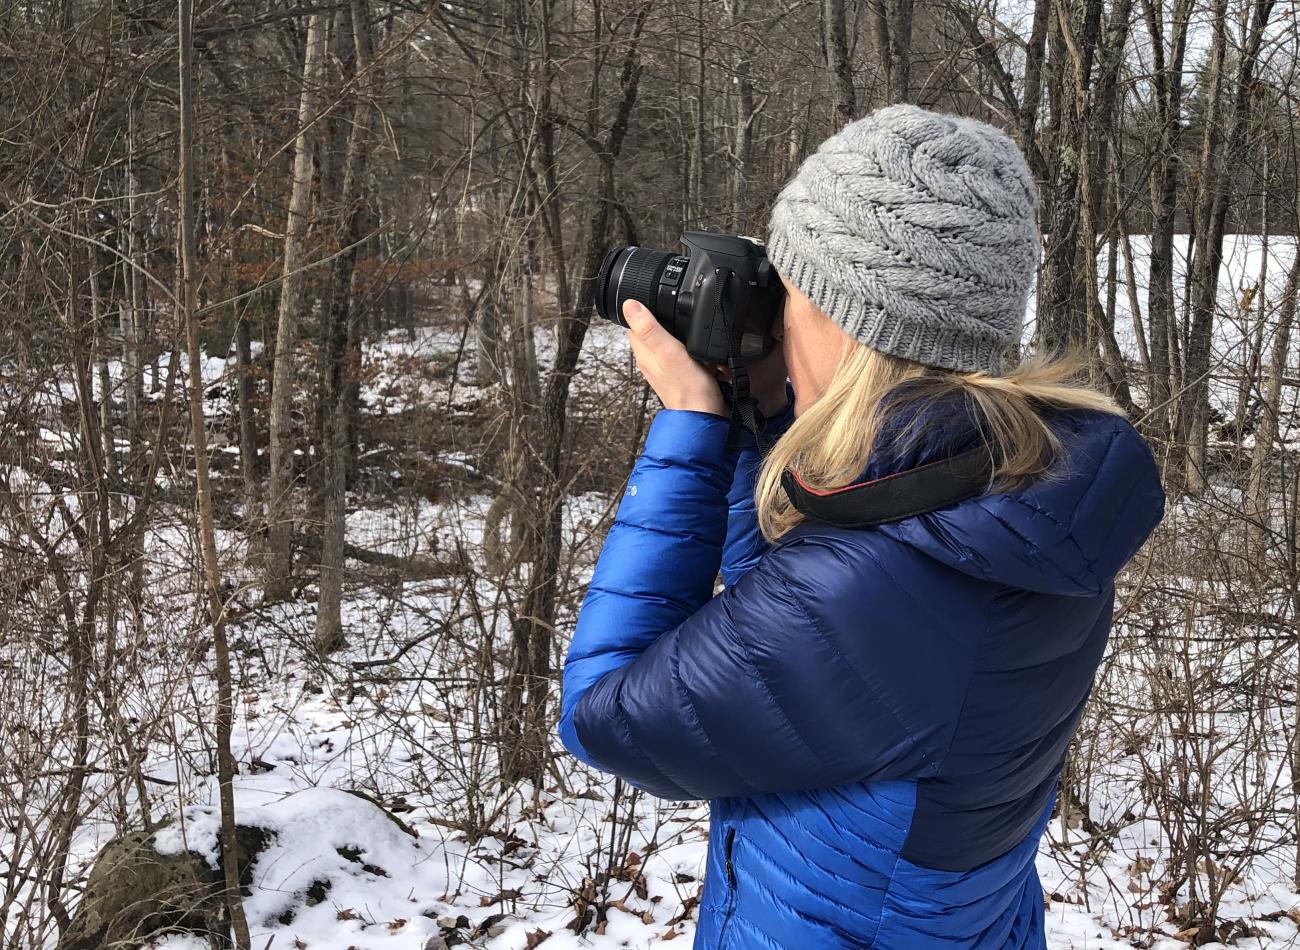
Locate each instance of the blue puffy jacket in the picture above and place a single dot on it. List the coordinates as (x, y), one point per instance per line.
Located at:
(878, 717)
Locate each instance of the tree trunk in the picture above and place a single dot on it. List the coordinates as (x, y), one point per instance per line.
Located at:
(742, 146)
(487, 337)
(99, 350)
(1135, 306)
(528, 681)
(247, 423)
(884, 48)
(279, 514)
(1218, 157)
(1063, 299)
(1097, 118)
(1254, 299)
(342, 352)
(835, 39)
(1035, 59)
(133, 293)
(697, 138)
(900, 54)
(203, 489)
(1193, 402)
(1260, 522)
(1167, 78)
(794, 148)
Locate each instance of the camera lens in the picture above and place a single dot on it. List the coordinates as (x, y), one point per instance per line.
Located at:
(629, 273)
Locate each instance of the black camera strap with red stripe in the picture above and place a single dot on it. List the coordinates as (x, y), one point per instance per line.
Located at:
(925, 488)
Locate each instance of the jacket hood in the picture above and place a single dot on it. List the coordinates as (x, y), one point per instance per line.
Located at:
(1068, 533)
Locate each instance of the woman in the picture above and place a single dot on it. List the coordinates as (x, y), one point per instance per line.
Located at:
(877, 716)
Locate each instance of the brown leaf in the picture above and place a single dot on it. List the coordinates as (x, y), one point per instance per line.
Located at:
(509, 894)
(536, 937)
(688, 906)
(1141, 865)
(669, 935)
(347, 913)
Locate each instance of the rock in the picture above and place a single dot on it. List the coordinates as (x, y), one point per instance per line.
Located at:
(134, 893)
(143, 884)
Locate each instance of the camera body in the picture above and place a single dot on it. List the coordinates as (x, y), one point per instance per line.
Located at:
(723, 290)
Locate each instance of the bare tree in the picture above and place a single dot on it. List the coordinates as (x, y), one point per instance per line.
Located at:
(341, 349)
(1225, 128)
(279, 503)
(1264, 487)
(835, 40)
(528, 684)
(225, 711)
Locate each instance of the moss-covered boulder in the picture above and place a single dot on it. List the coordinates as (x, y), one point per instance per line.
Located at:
(138, 892)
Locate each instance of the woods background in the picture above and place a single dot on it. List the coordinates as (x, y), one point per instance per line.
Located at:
(299, 391)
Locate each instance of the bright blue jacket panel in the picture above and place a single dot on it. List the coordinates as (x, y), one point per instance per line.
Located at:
(878, 717)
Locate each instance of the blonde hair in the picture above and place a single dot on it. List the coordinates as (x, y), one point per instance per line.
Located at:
(830, 443)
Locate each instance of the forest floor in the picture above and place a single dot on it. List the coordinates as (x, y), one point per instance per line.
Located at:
(400, 716)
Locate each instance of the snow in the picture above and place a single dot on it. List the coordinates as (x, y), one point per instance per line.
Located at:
(406, 732)
(361, 868)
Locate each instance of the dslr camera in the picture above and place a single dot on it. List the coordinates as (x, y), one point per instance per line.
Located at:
(720, 298)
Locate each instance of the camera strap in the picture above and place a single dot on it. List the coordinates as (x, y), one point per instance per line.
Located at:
(894, 497)
(744, 407)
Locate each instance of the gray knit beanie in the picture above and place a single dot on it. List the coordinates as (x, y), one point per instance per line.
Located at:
(914, 231)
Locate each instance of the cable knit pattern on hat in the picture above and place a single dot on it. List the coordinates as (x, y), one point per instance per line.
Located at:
(915, 231)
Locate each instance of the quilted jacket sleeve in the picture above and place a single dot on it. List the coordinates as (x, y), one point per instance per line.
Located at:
(661, 555)
(691, 697)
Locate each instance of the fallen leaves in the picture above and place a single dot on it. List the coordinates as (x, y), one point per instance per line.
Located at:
(508, 894)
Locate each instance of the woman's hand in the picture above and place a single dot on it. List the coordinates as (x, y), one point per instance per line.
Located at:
(680, 381)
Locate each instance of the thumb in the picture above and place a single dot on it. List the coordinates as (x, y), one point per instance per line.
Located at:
(639, 319)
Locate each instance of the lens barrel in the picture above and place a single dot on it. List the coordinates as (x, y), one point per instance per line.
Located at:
(629, 273)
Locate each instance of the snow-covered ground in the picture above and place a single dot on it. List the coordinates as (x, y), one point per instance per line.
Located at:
(512, 869)
(398, 739)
